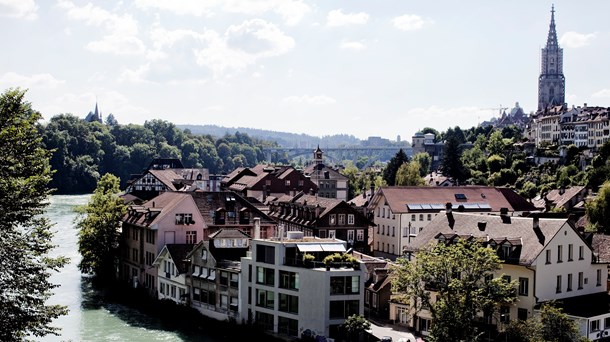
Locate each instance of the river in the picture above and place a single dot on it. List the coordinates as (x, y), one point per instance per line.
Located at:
(89, 317)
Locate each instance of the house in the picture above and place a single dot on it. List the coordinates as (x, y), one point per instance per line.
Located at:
(172, 268)
(377, 286)
(155, 181)
(214, 274)
(322, 217)
(284, 293)
(548, 257)
(331, 183)
(259, 182)
(567, 198)
(401, 212)
(181, 218)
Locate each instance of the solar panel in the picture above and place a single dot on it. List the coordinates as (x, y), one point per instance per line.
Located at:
(414, 206)
(484, 206)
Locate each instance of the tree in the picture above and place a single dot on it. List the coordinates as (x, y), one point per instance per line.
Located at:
(408, 174)
(25, 235)
(452, 164)
(551, 324)
(98, 224)
(425, 161)
(355, 325)
(389, 172)
(598, 210)
(454, 282)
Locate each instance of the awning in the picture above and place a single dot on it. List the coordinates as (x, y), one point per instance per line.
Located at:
(333, 247)
(309, 247)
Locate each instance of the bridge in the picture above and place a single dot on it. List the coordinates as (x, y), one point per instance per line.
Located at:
(357, 151)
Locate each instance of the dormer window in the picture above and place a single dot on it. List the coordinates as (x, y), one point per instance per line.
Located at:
(204, 254)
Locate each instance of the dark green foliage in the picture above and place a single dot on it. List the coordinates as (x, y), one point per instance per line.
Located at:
(457, 287)
(355, 326)
(551, 324)
(99, 229)
(25, 236)
(389, 173)
(451, 165)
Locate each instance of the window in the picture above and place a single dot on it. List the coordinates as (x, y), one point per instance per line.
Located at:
(570, 252)
(287, 326)
(264, 320)
(595, 325)
(421, 217)
(344, 285)
(599, 278)
(581, 252)
(289, 280)
(184, 218)
(569, 282)
(289, 303)
(332, 219)
(331, 234)
(134, 233)
(393, 230)
(504, 314)
(559, 253)
(523, 286)
(580, 280)
(134, 254)
(413, 217)
(360, 235)
(383, 213)
(375, 299)
(429, 217)
(342, 219)
(150, 236)
(265, 276)
(287, 183)
(558, 286)
(340, 309)
(522, 314)
(350, 236)
(548, 256)
(265, 254)
(265, 299)
(234, 280)
(350, 219)
(191, 237)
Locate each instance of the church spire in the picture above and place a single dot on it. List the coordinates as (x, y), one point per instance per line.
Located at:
(551, 41)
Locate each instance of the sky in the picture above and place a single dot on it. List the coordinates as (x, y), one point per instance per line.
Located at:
(380, 68)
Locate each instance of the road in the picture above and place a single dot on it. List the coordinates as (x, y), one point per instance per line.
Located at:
(379, 330)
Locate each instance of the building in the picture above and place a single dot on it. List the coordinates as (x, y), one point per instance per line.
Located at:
(331, 183)
(570, 199)
(213, 277)
(259, 182)
(286, 294)
(95, 116)
(551, 83)
(322, 217)
(172, 270)
(181, 218)
(421, 143)
(400, 213)
(548, 257)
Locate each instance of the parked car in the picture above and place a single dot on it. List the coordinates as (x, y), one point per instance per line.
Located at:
(386, 339)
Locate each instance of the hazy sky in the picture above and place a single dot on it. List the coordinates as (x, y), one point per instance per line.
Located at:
(366, 68)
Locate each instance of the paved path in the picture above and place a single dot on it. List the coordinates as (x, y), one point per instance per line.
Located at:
(379, 330)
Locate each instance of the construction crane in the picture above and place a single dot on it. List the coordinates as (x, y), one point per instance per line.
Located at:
(499, 109)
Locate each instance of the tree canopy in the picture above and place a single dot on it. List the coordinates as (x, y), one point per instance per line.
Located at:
(454, 283)
(25, 235)
(98, 226)
(389, 172)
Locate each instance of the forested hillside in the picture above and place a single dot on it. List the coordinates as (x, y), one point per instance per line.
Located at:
(83, 151)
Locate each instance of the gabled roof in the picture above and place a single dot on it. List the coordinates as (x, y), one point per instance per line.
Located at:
(400, 198)
(178, 253)
(210, 201)
(316, 171)
(228, 233)
(514, 229)
(167, 177)
(152, 211)
(558, 197)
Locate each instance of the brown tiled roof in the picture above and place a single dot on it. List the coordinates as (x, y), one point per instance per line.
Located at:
(557, 198)
(159, 206)
(210, 201)
(398, 197)
(496, 228)
(229, 233)
(167, 177)
(601, 247)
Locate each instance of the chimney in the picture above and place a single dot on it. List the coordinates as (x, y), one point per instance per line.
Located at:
(317, 210)
(372, 189)
(482, 225)
(257, 227)
(536, 223)
(450, 218)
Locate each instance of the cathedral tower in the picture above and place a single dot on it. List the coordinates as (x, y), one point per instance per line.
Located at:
(551, 83)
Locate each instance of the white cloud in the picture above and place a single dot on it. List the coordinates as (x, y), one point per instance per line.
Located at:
(410, 22)
(437, 117)
(242, 45)
(122, 30)
(311, 100)
(352, 45)
(291, 11)
(602, 93)
(12, 79)
(338, 18)
(25, 9)
(575, 40)
(135, 76)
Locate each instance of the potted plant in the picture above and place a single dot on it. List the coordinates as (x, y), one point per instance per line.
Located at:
(308, 259)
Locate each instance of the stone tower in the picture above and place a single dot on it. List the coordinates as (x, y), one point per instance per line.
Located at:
(551, 83)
